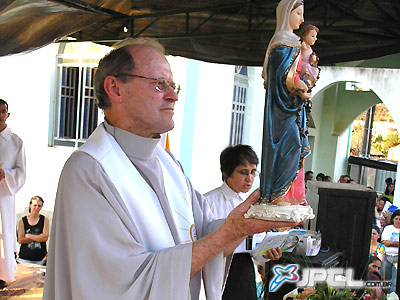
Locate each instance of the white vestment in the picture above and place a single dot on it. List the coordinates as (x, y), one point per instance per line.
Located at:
(222, 201)
(12, 157)
(115, 235)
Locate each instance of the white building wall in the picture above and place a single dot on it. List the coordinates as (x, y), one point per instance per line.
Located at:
(341, 155)
(179, 70)
(254, 115)
(27, 85)
(212, 124)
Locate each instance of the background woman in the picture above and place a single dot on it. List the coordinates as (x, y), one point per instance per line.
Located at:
(238, 168)
(390, 238)
(285, 143)
(376, 249)
(389, 192)
(33, 232)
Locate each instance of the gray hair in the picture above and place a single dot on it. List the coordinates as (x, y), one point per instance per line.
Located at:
(118, 60)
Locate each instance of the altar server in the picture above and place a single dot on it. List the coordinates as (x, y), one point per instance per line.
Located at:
(12, 178)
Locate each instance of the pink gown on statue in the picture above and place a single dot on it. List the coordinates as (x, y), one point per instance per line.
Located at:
(296, 194)
(307, 68)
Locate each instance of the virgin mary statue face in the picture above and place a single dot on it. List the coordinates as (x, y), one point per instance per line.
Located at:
(296, 18)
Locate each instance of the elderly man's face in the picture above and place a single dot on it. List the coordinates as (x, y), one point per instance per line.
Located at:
(148, 111)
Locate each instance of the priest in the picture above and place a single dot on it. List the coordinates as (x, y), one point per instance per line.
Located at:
(127, 222)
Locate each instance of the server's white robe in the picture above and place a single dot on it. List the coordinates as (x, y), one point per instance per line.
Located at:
(97, 249)
(12, 156)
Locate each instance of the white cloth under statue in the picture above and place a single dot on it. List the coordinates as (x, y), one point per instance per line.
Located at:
(124, 221)
(12, 157)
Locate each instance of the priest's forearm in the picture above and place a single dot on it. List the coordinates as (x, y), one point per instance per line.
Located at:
(206, 248)
(231, 233)
(229, 250)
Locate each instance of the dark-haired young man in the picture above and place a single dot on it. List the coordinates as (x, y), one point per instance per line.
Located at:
(12, 178)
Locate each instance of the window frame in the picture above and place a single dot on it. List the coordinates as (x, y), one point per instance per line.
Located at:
(87, 115)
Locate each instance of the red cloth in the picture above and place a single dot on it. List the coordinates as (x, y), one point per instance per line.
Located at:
(298, 70)
(296, 193)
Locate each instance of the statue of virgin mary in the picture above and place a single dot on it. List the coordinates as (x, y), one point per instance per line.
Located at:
(285, 143)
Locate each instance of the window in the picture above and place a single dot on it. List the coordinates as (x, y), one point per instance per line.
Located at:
(238, 104)
(77, 113)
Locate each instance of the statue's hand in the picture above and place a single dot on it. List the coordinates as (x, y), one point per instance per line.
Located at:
(301, 90)
(304, 95)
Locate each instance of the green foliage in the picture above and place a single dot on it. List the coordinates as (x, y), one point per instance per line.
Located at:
(384, 144)
(326, 292)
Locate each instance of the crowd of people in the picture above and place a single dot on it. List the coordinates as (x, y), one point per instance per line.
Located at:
(309, 175)
(385, 237)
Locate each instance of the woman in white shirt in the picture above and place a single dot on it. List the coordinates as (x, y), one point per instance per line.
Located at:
(390, 238)
(238, 168)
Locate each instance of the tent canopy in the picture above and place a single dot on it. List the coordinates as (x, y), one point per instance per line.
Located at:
(224, 31)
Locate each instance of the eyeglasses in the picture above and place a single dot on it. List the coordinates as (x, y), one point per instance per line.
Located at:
(162, 84)
(245, 173)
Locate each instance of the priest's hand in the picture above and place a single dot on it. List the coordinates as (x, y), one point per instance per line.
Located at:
(235, 229)
(2, 174)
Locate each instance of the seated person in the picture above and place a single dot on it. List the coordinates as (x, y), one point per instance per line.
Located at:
(33, 232)
(376, 249)
(374, 266)
(390, 238)
(382, 214)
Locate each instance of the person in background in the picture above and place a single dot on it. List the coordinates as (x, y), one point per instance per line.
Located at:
(344, 179)
(389, 192)
(33, 233)
(374, 266)
(376, 249)
(390, 238)
(388, 180)
(327, 178)
(308, 176)
(382, 214)
(12, 178)
(239, 168)
(320, 177)
(260, 284)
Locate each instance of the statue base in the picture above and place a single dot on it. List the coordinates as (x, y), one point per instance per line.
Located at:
(292, 213)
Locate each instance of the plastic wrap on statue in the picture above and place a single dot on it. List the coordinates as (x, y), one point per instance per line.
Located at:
(285, 143)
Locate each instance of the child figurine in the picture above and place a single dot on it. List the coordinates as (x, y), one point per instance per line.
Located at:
(309, 69)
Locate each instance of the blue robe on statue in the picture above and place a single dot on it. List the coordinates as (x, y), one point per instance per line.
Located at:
(285, 142)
